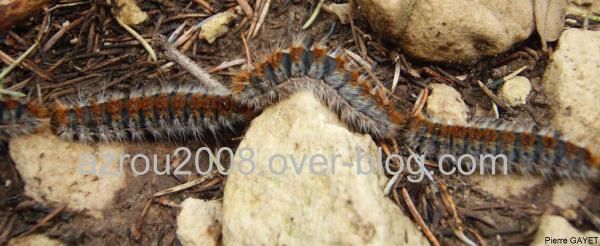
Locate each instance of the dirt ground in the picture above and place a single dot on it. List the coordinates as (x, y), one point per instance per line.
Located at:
(97, 53)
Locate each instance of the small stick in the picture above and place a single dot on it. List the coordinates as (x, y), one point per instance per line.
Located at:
(205, 5)
(423, 96)
(496, 99)
(136, 231)
(227, 64)
(62, 32)
(46, 219)
(418, 218)
(185, 185)
(172, 54)
(247, 50)
(396, 75)
(261, 19)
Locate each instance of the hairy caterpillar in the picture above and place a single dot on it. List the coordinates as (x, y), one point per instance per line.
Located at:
(526, 151)
(18, 117)
(171, 112)
(332, 79)
(191, 112)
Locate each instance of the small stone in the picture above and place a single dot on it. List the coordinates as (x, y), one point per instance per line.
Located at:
(569, 194)
(571, 84)
(569, 214)
(86, 176)
(129, 13)
(557, 227)
(199, 222)
(35, 239)
(217, 25)
(515, 90)
(301, 201)
(446, 104)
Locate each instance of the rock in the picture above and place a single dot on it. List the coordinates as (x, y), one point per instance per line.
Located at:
(57, 171)
(34, 239)
(549, 19)
(217, 25)
(451, 30)
(515, 91)
(557, 227)
(15, 11)
(569, 194)
(571, 84)
(129, 13)
(446, 104)
(505, 186)
(199, 222)
(583, 8)
(313, 204)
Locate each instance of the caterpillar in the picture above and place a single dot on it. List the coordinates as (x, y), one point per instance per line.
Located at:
(18, 117)
(158, 113)
(191, 112)
(526, 151)
(330, 76)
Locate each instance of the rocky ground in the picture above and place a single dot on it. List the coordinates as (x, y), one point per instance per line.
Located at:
(528, 62)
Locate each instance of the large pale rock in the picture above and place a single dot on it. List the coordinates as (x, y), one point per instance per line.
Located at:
(57, 171)
(446, 104)
(556, 227)
(34, 239)
(451, 30)
(317, 204)
(571, 83)
(515, 90)
(387, 17)
(583, 7)
(199, 222)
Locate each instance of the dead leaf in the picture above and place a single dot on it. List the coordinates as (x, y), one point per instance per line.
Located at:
(549, 19)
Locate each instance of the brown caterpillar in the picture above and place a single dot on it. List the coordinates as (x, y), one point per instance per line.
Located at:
(527, 151)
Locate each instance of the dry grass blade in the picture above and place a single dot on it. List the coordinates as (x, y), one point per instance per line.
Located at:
(140, 39)
(314, 15)
(185, 185)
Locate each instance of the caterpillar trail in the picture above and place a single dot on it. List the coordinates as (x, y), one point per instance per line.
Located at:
(192, 112)
(527, 152)
(330, 76)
